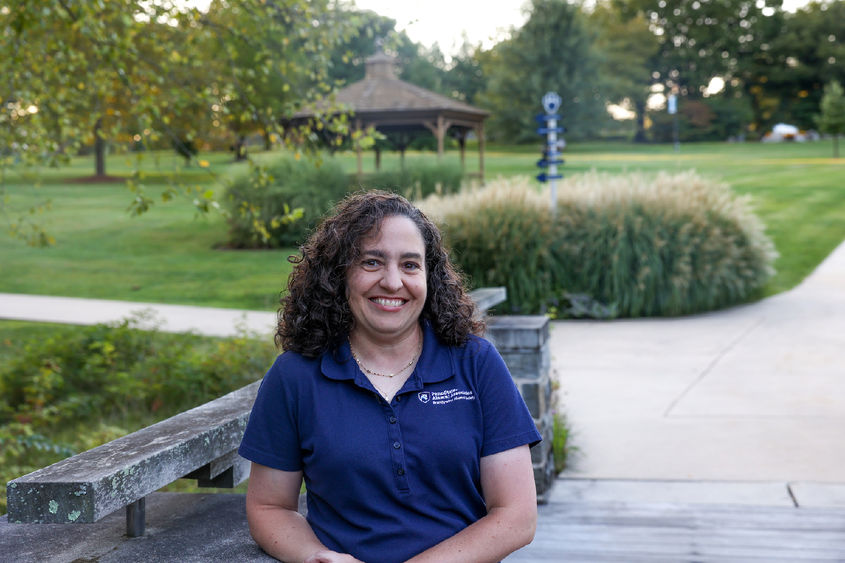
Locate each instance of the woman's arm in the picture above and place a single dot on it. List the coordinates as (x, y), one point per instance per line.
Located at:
(507, 481)
(272, 499)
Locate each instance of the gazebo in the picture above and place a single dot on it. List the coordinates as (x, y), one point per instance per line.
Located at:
(401, 111)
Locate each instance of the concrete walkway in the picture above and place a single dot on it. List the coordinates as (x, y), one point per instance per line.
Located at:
(745, 404)
(753, 395)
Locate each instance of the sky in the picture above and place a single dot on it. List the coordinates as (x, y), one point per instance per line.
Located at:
(445, 22)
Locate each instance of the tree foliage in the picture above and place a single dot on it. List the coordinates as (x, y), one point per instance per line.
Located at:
(552, 51)
(156, 73)
(785, 79)
(628, 52)
(832, 117)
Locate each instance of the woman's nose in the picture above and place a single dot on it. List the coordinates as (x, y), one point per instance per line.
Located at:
(392, 278)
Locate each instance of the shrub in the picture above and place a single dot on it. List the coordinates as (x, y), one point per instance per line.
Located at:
(278, 204)
(628, 245)
(417, 180)
(500, 235)
(73, 390)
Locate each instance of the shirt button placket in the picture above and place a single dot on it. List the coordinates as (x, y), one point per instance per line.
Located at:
(397, 454)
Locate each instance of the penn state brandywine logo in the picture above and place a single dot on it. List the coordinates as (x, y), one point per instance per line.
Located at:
(424, 396)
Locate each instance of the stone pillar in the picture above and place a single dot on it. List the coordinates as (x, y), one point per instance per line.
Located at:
(523, 342)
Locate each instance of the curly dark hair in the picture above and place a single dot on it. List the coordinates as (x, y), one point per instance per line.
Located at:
(315, 316)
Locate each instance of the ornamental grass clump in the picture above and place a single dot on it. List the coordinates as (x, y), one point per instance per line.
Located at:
(500, 236)
(627, 245)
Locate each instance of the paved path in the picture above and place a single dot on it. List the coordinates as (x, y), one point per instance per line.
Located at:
(753, 395)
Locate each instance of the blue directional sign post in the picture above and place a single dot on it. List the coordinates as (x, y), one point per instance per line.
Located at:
(551, 155)
(672, 107)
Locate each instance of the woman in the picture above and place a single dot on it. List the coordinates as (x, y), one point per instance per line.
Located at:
(407, 428)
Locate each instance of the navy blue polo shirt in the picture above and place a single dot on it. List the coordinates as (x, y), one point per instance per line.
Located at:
(388, 480)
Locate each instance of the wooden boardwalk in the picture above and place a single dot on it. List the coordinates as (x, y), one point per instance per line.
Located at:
(198, 528)
(674, 532)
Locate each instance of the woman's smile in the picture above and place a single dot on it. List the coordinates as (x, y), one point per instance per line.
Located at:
(387, 302)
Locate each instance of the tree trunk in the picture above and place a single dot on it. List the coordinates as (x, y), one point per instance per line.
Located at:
(240, 148)
(99, 149)
(639, 120)
(836, 146)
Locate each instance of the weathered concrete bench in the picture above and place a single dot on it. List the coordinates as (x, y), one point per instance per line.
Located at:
(200, 444)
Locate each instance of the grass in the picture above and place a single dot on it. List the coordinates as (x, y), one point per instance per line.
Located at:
(170, 255)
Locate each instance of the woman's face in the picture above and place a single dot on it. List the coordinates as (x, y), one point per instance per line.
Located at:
(386, 287)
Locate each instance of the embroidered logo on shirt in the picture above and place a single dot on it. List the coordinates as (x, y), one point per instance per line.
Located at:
(445, 397)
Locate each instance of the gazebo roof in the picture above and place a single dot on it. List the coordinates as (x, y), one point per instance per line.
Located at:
(381, 94)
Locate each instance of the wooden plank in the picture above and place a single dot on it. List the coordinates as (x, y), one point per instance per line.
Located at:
(91, 485)
(653, 532)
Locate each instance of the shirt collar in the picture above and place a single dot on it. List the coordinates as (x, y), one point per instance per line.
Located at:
(435, 363)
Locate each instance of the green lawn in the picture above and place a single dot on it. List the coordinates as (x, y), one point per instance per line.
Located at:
(171, 255)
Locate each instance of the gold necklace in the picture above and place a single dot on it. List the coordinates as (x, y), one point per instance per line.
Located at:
(371, 372)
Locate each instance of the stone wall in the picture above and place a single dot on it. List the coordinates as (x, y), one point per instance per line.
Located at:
(523, 342)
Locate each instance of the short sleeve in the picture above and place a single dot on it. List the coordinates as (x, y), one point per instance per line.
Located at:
(271, 437)
(507, 421)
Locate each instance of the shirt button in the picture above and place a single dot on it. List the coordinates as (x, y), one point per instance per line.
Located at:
(400, 471)
(392, 420)
(396, 445)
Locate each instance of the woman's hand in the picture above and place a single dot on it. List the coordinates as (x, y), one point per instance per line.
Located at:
(328, 556)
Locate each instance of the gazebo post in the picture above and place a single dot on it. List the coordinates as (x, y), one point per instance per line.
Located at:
(462, 142)
(358, 148)
(480, 133)
(440, 134)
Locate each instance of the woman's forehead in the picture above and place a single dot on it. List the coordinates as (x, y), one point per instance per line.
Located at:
(392, 229)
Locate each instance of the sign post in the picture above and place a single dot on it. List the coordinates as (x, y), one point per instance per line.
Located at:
(551, 155)
(672, 107)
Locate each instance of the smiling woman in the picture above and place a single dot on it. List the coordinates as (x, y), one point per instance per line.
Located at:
(406, 426)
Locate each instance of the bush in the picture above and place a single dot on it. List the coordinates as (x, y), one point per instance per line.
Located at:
(628, 245)
(262, 203)
(73, 390)
(500, 235)
(417, 180)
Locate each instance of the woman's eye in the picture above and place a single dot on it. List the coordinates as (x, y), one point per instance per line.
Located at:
(371, 263)
(412, 266)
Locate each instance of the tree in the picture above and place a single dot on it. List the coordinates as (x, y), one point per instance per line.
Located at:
(701, 39)
(90, 72)
(348, 57)
(627, 52)
(465, 78)
(553, 51)
(832, 117)
(801, 54)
